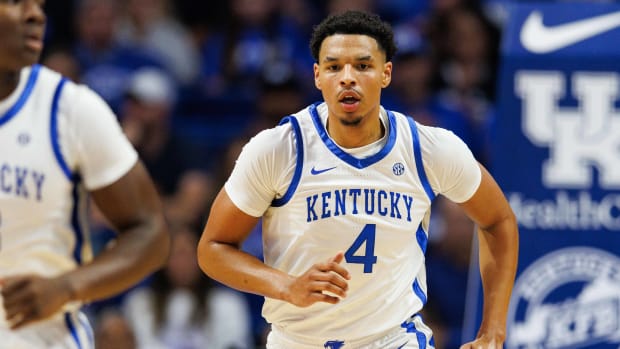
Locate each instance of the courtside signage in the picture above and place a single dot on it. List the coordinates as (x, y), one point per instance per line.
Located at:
(556, 154)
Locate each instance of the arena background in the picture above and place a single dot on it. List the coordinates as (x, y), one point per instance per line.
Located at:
(531, 87)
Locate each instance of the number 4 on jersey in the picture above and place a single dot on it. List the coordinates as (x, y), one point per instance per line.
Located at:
(367, 235)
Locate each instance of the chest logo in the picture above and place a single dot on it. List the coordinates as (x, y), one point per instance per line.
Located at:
(23, 139)
(315, 172)
(398, 169)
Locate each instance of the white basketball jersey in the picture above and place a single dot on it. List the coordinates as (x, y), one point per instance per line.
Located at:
(43, 200)
(41, 203)
(375, 210)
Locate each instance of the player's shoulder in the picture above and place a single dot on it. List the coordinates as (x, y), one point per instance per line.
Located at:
(72, 89)
(435, 142)
(428, 134)
(76, 102)
(45, 73)
(42, 78)
(436, 135)
(285, 129)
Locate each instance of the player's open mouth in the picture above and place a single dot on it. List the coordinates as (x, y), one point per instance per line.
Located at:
(349, 101)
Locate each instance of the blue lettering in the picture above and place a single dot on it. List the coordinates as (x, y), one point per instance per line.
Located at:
(370, 206)
(20, 178)
(382, 210)
(5, 171)
(326, 212)
(38, 181)
(311, 208)
(408, 203)
(355, 193)
(340, 202)
(394, 197)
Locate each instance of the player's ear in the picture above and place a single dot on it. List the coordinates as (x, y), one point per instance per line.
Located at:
(317, 82)
(386, 75)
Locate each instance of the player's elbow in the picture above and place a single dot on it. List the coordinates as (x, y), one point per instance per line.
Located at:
(202, 252)
(161, 242)
(207, 255)
(156, 241)
(504, 220)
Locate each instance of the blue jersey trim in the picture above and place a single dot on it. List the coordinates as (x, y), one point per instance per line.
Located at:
(54, 130)
(74, 178)
(351, 160)
(21, 100)
(72, 329)
(417, 289)
(417, 153)
(88, 328)
(75, 221)
(421, 337)
(422, 238)
(409, 326)
(298, 165)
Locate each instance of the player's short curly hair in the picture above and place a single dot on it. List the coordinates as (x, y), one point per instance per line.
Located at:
(354, 22)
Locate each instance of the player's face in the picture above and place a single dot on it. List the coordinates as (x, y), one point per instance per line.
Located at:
(22, 25)
(350, 74)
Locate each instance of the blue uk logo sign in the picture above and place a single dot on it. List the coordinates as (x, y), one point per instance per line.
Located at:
(580, 139)
(583, 145)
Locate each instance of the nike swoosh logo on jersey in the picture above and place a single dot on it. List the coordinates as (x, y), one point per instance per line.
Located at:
(403, 345)
(315, 172)
(538, 38)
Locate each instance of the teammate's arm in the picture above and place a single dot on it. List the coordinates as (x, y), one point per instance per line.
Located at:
(220, 257)
(132, 207)
(498, 253)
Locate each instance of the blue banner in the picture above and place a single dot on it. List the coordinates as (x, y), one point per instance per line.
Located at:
(556, 154)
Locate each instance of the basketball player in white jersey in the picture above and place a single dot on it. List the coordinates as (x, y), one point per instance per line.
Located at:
(344, 189)
(59, 141)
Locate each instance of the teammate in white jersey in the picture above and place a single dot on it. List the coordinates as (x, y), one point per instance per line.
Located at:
(60, 142)
(344, 189)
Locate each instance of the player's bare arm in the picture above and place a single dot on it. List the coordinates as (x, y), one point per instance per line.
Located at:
(220, 257)
(498, 253)
(132, 207)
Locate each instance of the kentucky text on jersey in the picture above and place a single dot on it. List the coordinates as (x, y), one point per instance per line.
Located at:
(21, 181)
(353, 200)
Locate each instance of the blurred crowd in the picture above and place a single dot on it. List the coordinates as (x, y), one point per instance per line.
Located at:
(191, 81)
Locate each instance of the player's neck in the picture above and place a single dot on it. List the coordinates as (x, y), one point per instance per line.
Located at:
(8, 83)
(368, 131)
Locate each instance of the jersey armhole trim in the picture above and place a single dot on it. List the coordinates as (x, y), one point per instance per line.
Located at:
(54, 131)
(72, 177)
(298, 163)
(417, 153)
(23, 97)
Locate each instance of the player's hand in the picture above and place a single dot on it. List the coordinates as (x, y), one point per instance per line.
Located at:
(28, 298)
(311, 287)
(484, 342)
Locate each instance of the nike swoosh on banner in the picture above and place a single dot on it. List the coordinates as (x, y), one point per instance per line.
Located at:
(538, 38)
(314, 171)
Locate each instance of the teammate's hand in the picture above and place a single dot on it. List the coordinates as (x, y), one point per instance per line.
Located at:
(311, 286)
(28, 298)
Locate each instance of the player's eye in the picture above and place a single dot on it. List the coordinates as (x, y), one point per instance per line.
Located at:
(363, 66)
(333, 67)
